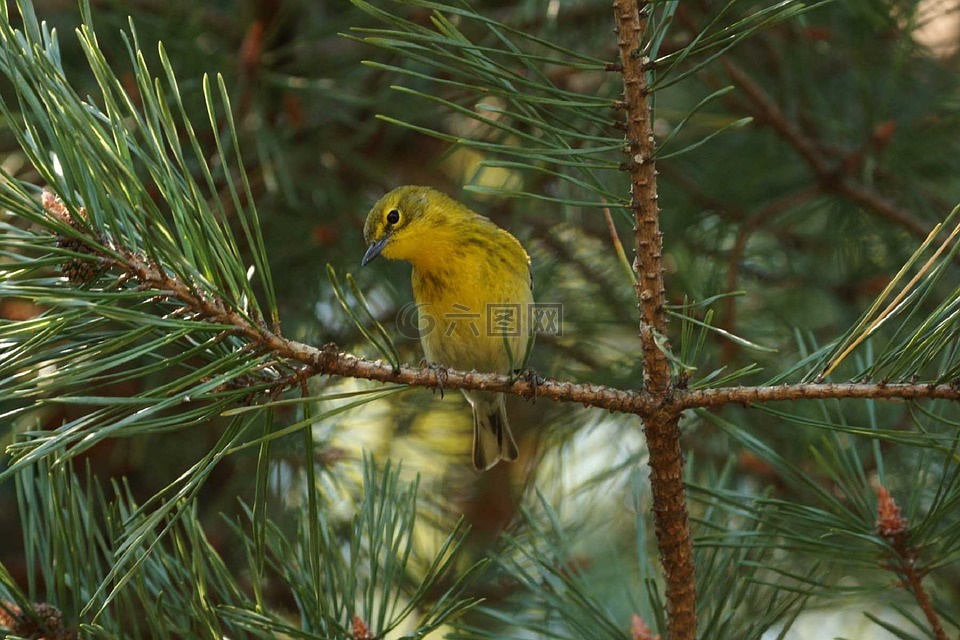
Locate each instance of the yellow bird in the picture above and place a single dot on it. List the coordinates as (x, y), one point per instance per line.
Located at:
(474, 292)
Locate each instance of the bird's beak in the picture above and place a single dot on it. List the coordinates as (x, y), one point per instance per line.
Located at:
(374, 250)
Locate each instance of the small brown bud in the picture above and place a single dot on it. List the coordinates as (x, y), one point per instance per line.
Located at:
(640, 631)
(51, 203)
(78, 270)
(890, 523)
(360, 629)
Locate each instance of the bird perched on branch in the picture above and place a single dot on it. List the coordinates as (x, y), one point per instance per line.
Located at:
(474, 293)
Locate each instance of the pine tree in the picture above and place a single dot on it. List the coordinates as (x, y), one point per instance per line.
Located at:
(740, 220)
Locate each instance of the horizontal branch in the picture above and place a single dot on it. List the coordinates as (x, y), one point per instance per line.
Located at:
(306, 360)
(329, 361)
(707, 398)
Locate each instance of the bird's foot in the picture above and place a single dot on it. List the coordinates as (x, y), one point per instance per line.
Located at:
(531, 376)
(440, 370)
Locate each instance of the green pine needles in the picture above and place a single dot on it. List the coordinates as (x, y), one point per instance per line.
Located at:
(183, 587)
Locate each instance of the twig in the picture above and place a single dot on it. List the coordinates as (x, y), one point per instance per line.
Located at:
(902, 557)
(830, 178)
(712, 398)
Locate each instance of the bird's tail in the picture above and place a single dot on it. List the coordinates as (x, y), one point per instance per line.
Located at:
(492, 439)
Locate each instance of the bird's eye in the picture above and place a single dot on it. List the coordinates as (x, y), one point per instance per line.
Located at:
(393, 216)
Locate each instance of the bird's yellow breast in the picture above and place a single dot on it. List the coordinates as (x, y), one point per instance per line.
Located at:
(474, 296)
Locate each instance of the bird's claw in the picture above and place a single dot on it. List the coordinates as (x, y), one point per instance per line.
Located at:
(532, 377)
(441, 372)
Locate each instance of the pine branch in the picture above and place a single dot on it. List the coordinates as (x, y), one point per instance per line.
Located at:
(843, 515)
(330, 361)
(372, 574)
(661, 425)
(830, 178)
(305, 361)
(641, 149)
(902, 558)
(748, 395)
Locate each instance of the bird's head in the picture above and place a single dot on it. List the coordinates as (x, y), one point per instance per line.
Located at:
(406, 222)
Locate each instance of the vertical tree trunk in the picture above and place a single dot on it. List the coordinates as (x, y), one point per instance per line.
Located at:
(661, 425)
